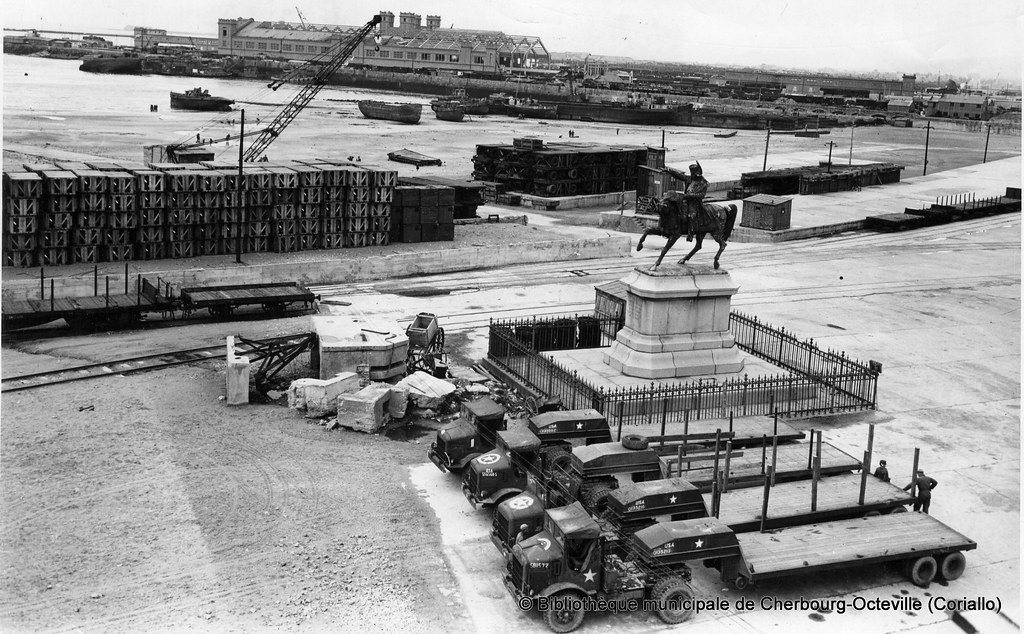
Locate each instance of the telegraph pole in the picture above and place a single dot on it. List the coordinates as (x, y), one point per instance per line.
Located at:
(764, 167)
(988, 132)
(927, 135)
(850, 162)
(830, 144)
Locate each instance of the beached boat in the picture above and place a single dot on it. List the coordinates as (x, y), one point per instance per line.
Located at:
(406, 155)
(614, 113)
(120, 64)
(400, 112)
(532, 109)
(449, 111)
(199, 99)
(459, 97)
(726, 135)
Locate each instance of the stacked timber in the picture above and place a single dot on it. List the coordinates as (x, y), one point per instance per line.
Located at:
(67, 213)
(530, 166)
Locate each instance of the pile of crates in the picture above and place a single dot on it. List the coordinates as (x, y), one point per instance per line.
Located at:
(70, 213)
(529, 166)
(423, 213)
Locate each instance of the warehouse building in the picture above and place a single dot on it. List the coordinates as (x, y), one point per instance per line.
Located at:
(408, 44)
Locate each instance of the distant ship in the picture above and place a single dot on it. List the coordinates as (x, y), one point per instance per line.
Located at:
(199, 99)
(120, 64)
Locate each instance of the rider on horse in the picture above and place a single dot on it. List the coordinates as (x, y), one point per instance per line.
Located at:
(691, 199)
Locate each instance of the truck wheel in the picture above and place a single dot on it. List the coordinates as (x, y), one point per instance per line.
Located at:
(559, 458)
(673, 596)
(952, 566)
(561, 617)
(923, 570)
(595, 498)
(634, 441)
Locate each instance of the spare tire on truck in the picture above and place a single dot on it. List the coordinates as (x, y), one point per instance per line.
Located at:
(634, 441)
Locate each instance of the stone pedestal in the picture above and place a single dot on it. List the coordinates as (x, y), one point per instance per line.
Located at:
(677, 324)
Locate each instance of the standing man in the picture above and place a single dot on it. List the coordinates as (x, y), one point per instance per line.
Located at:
(882, 473)
(925, 485)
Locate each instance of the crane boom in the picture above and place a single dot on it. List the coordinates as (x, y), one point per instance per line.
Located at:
(313, 86)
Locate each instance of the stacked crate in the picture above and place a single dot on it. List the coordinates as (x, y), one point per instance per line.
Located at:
(151, 201)
(332, 211)
(405, 214)
(89, 234)
(530, 167)
(181, 218)
(208, 231)
(382, 200)
(119, 236)
(284, 230)
(230, 212)
(357, 207)
(423, 213)
(309, 208)
(259, 208)
(22, 212)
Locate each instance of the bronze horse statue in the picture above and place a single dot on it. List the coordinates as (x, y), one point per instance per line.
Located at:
(718, 220)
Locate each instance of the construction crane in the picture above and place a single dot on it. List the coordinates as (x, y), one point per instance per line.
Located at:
(302, 18)
(323, 68)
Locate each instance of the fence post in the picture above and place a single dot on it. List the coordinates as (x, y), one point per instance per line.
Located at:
(618, 406)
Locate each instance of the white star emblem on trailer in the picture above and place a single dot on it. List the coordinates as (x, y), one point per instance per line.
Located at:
(579, 425)
(672, 500)
(699, 543)
(589, 576)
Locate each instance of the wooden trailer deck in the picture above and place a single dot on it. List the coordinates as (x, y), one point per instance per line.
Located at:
(241, 294)
(789, 503)
(748, 431)
(745, 470)
(19, 313)
(847, 543)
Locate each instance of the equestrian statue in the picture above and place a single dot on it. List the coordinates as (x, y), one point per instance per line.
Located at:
(685, 213)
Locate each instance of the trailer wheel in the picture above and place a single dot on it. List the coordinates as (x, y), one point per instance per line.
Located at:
(898, 509)
(634, 441)
(673, 596)
(565, 618)
(595, 498)
(952, 566)
(872, 514)
(741, 582)
(922, 570)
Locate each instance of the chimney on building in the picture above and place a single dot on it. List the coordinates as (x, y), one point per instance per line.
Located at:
(409, 21)
(387, 21)
(433, 22)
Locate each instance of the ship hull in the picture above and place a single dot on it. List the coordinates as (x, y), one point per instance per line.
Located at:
(400, 112)
(181, 101)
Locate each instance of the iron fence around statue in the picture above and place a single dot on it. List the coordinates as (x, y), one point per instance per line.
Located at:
(820, 382)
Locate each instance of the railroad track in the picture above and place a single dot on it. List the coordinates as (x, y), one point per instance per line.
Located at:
(130, 365)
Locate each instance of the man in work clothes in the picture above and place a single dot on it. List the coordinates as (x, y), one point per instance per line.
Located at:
(882, 473)
(925, 485)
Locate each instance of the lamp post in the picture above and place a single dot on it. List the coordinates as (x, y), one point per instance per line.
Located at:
(830, 145)
(988, 132)
(764, 166)
(927, 136)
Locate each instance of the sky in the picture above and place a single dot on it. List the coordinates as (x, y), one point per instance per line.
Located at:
(944, 37)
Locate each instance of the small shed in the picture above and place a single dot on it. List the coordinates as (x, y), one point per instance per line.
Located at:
(770, 213)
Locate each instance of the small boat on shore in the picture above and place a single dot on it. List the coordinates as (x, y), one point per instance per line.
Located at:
(469, 105)
(400, 112)
(449, 110)
(405, 155)
(726, 135)
(199, 99)
(532, 109)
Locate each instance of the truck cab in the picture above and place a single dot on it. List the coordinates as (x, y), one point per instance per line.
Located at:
(596, 470)
(473, 434)
(532, 453)
(570, 559)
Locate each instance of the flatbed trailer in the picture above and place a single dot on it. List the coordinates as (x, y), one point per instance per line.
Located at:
(747, 467)
(222, 300)
(925, 546)
(789, 503)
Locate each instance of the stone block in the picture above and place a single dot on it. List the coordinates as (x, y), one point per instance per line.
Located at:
(425, 390)
(398, 402)
(365, 410)
(237, 375)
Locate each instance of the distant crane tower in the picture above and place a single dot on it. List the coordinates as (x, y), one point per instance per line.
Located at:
(302, 18)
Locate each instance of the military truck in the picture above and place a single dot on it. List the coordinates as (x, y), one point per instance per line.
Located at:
(473, 434)
(569, 568)
(537, 450)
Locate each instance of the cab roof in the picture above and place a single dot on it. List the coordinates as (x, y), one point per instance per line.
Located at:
(574, 521)
(484, 408)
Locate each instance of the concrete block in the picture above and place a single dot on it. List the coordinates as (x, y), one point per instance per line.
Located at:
(398, 402)
(237, 376)
(297, 393)
(364, 410)
(425, 390)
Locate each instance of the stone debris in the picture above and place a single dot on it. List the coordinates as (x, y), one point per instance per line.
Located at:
(319, 398)
(365, 410)
(426, 391)
(398, 403)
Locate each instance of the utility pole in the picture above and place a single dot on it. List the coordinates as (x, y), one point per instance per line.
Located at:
(241, 192)
(764, 167)
(850, 162)
(927, 135)
(988, 132)
(830, 144)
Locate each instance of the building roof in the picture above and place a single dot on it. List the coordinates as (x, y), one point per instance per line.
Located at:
(975, 99)
(900, 101)
(295, 32)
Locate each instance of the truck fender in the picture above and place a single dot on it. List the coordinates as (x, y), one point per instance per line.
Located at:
(565, 585)
(465, 461)
(501, 495)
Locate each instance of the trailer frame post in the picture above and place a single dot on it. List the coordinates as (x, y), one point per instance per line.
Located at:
(728, 457)
(775, 456)
(764, 501)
